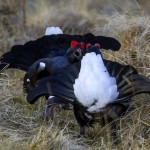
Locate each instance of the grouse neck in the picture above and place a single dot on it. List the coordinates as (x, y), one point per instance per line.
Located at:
(94, 49)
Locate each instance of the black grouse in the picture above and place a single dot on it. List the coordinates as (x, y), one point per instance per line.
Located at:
(92, 85)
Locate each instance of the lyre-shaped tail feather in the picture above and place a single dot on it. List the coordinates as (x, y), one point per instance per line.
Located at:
(3, 66)
(133, 85)
(129, 82)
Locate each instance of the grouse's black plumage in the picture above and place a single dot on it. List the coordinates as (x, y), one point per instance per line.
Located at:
(49, 49)
(23, 56)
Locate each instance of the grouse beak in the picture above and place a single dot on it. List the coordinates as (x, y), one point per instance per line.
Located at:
(77, 54)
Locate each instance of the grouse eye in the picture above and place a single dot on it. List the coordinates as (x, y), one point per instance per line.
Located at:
(74, 44)
(98, 45)
(82, 45)
(88, 45)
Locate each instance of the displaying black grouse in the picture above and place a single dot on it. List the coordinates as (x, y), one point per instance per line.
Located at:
(92, 85)
(47, 66)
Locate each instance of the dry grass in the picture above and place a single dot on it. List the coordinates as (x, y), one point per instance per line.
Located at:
(21, 127)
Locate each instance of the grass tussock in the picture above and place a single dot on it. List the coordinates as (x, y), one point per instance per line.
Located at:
(21, 126)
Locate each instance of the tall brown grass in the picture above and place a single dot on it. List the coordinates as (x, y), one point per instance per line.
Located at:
(20, 21)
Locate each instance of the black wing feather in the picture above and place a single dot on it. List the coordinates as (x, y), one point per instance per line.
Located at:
(52, 86)
(105, 42)
(23, 56)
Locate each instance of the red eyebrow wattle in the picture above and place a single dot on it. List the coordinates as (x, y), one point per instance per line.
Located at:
(74, 44)
(87, 45)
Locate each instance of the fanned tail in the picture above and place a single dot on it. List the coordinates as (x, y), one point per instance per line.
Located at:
(129, 82)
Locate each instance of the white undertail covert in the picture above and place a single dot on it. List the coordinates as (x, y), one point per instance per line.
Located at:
(53, 30)
(94, 87)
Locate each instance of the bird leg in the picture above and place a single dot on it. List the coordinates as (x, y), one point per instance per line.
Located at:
(49, 109)
(51, 104)
(82, 131)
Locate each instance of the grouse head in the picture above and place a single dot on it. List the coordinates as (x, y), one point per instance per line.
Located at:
(93, 48)
(76, 51)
